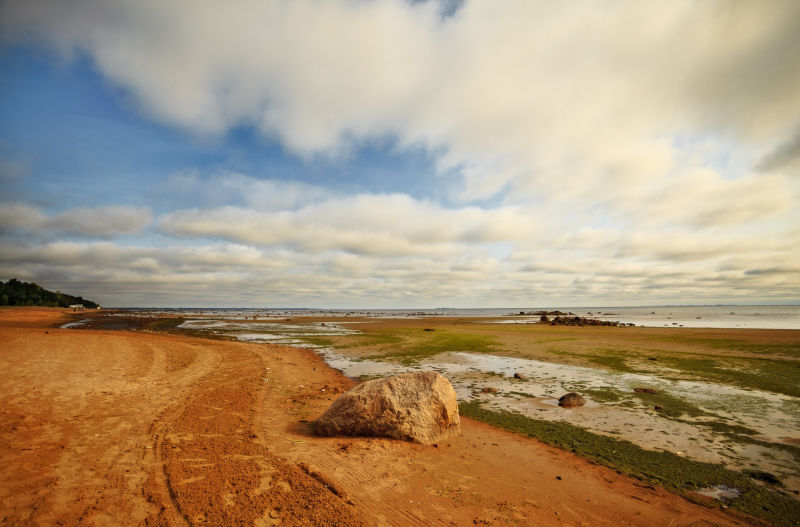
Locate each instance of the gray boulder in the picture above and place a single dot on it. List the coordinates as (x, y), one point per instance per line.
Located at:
(418, 407)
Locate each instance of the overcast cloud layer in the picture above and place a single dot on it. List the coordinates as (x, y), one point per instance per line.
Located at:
(581, 153)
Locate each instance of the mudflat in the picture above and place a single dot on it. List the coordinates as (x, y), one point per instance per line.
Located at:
(131, 427)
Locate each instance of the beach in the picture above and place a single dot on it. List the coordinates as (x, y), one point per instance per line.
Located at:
(121, 427)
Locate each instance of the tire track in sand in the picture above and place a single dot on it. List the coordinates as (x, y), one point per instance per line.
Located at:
(213, 470)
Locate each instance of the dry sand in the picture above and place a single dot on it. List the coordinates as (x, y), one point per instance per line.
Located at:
(127, 428)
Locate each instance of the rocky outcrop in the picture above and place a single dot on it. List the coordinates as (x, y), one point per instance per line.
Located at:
(419, 407)
(542, 313)
(581, 321)
(571, 400)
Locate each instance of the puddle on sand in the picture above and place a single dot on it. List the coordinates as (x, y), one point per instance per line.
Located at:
(265, 337)
(267, 331)
(74, 324)
(319, 328)
(764, 412)
(720, 492)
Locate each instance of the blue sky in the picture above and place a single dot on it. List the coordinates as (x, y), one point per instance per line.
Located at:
(84, 140)
(401, 154)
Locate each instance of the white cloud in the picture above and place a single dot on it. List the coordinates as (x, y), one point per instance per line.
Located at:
(20, 216)
(390, 225)
(703, 198)
(102, 222)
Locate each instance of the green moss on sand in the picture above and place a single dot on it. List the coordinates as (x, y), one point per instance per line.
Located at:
(772, 375)
(429, 343)
(728, 344)
(603, 395)
(669, 405)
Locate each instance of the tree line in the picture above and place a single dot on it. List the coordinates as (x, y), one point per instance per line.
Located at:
(16, 293)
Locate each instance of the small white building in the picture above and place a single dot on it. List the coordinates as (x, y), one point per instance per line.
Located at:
(77, 307)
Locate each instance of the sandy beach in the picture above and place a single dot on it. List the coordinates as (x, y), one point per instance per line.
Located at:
(101, 427)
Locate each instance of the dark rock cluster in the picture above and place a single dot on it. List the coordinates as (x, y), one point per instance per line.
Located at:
(581, 321)
(541, 313)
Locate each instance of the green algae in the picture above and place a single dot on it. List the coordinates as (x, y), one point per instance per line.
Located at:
(427, 344)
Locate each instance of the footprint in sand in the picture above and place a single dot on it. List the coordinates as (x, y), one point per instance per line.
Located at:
(229, 498)
(271, 517)
(266, 484)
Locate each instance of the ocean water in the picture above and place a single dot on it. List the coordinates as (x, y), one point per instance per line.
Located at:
(722, 316)
(753, 317)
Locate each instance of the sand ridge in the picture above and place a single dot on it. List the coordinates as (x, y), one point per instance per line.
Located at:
(137, 428)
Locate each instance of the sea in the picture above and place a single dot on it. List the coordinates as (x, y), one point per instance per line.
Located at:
(709, 316)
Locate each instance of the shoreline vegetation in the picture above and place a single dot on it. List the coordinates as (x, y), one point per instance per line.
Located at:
(751, 359)
(17, 293)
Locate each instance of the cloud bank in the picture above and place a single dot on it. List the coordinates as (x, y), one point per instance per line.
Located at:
(100, 222)
(630, 149)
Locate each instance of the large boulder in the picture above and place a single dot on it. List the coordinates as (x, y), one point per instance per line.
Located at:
(419, 407)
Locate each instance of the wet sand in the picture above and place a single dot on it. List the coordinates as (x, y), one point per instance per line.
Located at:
(136, 428)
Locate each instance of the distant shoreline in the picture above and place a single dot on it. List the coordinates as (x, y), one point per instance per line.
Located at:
(707, 316)
(536, 308)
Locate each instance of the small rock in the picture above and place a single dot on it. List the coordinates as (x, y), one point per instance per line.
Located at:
(645, 390)
(519, 376)
(488, 389)
(658, 407)
(652, 358)
(558, 478)
(570, 400)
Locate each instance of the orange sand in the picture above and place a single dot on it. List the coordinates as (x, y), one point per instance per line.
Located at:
(136, 428)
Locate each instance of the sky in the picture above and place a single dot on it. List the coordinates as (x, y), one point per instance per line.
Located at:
(402, 154)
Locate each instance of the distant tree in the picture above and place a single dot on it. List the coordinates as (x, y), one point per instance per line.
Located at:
(16, 293)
